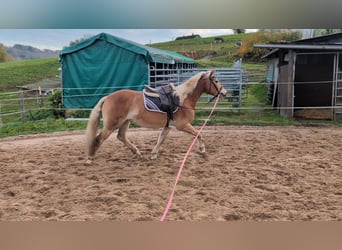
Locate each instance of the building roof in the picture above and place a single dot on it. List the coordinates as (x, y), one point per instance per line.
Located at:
(327, 42)
(335, 38)
(151, 54)
(50, 83)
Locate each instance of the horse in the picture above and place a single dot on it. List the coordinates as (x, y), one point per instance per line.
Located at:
(122, 107)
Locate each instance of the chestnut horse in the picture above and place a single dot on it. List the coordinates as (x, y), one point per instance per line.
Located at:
(124, 106)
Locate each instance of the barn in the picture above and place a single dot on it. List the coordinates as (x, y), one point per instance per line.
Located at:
(305, 77)
(104, 63)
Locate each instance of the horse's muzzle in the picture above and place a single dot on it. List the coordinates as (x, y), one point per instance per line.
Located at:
(223, 92)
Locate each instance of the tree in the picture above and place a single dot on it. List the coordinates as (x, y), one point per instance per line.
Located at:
(247, 50)
(323, 32)
(85, 37)
(239, 31)
(4, 56)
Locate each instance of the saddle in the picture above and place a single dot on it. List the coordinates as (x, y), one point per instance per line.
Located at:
(169, 101)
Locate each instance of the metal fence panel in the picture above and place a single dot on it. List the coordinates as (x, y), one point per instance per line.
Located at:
(233, 79)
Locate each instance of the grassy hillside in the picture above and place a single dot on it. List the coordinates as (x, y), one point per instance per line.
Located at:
(206, 46)
(18, 73)
(211, 54)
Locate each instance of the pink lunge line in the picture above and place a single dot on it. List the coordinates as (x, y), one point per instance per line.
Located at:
(184, 160)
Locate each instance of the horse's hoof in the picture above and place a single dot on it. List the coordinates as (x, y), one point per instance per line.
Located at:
(88, 162)
(205, 156)
(136, 152)
(154, 156)
(137, 157)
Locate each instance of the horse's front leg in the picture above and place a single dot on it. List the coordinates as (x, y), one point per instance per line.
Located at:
(188, 128)
(161, 139)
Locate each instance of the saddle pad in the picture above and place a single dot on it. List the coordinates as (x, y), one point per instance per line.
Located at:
(152, 103)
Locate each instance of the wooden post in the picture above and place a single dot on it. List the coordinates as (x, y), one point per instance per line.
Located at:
(290, 85)
(22, 107)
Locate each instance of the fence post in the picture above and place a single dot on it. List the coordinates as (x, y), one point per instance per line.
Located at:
(39, 97)
(1, 124)
(240, 87)
(22, 107)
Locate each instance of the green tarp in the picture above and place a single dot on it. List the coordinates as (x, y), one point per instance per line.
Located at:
(103, 64)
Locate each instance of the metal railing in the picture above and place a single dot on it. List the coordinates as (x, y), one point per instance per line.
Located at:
(233, 79)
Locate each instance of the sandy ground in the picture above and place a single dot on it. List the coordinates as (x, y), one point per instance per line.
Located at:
(248, 173)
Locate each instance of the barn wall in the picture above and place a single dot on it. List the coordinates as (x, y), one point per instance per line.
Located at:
(285, 87)
(282, 90)
(338, 89)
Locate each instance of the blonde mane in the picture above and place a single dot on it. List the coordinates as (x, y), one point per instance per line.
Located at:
(186, 88)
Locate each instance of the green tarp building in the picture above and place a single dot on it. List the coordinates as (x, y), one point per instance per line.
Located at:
(104, 63)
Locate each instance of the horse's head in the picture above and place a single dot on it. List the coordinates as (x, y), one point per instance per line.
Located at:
(212, 84)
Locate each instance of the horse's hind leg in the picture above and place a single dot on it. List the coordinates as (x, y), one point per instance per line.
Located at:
(161, 139)
(122, 137)
(100, 138)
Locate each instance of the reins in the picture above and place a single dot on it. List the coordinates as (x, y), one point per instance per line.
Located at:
(184, 160)
(180, 106)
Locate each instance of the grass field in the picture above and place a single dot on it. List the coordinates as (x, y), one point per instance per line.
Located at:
(17, 73)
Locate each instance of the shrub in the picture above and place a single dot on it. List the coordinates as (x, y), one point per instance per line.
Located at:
(55, 99)
(247, 50)
(80, 114)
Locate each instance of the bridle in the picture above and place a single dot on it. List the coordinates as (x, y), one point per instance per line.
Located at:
(212, 82)
(219, 90)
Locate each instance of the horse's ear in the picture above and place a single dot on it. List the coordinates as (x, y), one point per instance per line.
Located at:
(209, 73)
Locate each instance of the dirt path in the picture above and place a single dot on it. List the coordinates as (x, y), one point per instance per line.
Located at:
(249, 173)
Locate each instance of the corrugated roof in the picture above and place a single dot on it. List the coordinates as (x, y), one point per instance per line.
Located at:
(327, 42)
(151, 54)
(335, 38)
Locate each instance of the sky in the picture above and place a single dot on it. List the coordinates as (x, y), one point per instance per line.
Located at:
(56, 39)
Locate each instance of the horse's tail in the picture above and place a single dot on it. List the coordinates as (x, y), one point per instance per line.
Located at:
(93, 124)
